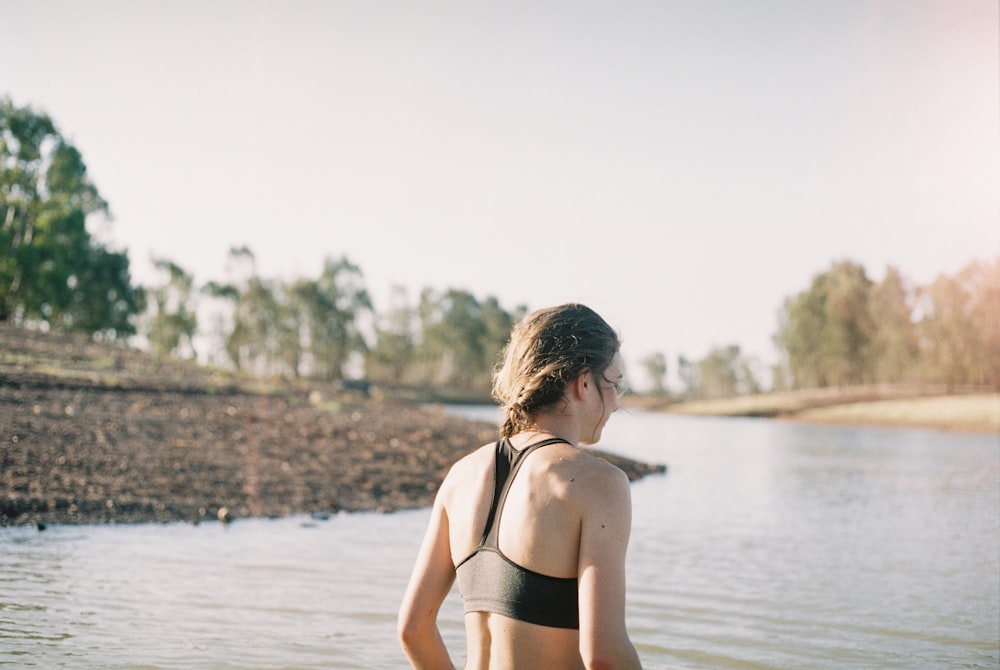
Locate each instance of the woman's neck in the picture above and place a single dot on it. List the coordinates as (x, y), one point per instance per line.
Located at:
(548, 425)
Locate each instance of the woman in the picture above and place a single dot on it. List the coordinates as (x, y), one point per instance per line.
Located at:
(534, 529)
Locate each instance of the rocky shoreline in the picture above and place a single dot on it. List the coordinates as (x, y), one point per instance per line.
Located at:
(79, 449)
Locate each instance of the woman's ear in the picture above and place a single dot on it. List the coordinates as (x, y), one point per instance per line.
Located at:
(581, 384)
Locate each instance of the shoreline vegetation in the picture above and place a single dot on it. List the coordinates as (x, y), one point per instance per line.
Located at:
(100, 433)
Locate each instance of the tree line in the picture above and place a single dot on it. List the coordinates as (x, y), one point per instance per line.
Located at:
(51, 269)
(846, 329)
(843, 329)
(327, 328)
(55, 274)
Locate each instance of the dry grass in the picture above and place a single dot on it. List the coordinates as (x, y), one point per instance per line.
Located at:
(960, 412)
(922, 406)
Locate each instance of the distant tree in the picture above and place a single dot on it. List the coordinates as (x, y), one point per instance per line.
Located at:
(391, 357)
(960, 328)
(687, 370)
(944, 328)
(460, 338)
(717, 372)
(748, 375)
(799, 336)
(259, 330)
(825, 332)
(331, 309)
(656, 369)
(174, 320)
(498, 324)
(848, 327)
(255, 315)
(454, 334)
(221, 298)
(726, 372)
(780, 377)
(51, 269)
(224, 296)
(985, 308)
(895, 348)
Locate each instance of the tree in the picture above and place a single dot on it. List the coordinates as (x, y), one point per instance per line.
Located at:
(498, 324)
(726, 372)
(656, 368)
(895, 348)
(718, 372)
(960, 329)
(259, 329)
(52, 270)
(825, 332)
(845, 329)
(687, 370)
(454, 335)
(330, 310)
(848, 325)
(256, 318)
(174, 319)
(799, 336)
(985, 309)
(460, 338)
(391, 357)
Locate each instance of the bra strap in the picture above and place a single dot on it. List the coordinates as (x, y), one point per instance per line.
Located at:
(508, 462)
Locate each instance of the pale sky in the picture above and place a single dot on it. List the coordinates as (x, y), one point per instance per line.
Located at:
(680, 166)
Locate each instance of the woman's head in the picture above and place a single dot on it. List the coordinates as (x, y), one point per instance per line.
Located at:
(547, 350)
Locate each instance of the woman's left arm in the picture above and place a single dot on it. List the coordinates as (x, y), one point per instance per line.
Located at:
(433, 575)
(604, 536)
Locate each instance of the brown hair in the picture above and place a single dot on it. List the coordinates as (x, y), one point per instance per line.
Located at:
(547, 350)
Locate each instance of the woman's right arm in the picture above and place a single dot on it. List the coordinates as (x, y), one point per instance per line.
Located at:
(604, 535)
(433, 575)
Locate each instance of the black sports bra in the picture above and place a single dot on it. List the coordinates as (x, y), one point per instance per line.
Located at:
(490, 582)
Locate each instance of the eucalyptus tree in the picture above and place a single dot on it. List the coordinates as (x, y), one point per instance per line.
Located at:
(390, 358)
(687, 371)
(895, 345)
(799, 336)
(848, 326)
(258, 342)
(461, 338)
(985, 309)
(256, 317)
(51, 269)
(656, 369)
(454, 334)
(497, 324)
(725, 372)
(825, 332)
(332, 310)
(173, 321)
(959, 329)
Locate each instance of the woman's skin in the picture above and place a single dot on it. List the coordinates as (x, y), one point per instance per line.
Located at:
(568, 514)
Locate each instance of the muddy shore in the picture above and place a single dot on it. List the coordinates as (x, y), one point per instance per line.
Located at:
(92, 434)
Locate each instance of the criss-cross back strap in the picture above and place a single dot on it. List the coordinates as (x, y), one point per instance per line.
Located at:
(508, 461)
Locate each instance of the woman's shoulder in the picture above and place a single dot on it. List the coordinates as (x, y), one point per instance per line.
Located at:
(477, 457)
(591, 463)
(589, 472)
(588, 479)
(473, 465)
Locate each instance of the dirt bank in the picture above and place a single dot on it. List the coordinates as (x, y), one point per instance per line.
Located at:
(98, 434)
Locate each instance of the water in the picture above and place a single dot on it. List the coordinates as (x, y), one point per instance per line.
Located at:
(767, 545)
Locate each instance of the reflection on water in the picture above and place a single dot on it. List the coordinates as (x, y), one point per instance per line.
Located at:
(767, 545)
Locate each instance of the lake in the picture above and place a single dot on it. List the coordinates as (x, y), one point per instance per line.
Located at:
(767, 545)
